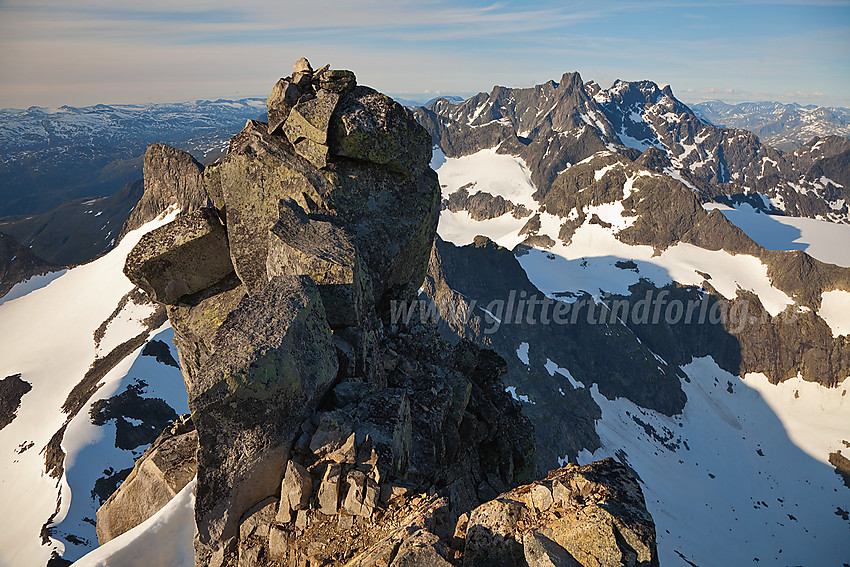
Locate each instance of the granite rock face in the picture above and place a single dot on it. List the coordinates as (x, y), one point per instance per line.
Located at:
(329, 429)
(272, 363)
(171, 177)
(181, 258)
(166, 467)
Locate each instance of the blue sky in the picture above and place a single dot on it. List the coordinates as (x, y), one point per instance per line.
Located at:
(55, 52)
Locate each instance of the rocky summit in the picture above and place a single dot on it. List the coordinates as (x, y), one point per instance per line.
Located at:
(326, 434)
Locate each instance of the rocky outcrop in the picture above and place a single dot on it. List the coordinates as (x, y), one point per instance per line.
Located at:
(159, 474)
(181, 258)
(171, 177)
(589, 515)
(18, 263)
(577, 516)
(12, 389)
(482, 205)
(272, 363)
(327, 426)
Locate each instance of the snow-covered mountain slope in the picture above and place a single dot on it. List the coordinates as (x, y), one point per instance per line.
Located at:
(738, 449)
(163, 539)
(49, 156)
(556, 124)
(96, 400)
(741, 476)
(782, 126)
(817, 238)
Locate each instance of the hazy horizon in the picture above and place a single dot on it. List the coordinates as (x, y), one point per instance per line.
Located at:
(94, 52)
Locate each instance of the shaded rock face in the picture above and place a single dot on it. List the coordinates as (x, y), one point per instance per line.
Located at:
(171, 176)
(608, 355)
(18, 263)
(75, 232)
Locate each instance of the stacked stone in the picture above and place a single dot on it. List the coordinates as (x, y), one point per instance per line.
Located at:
(312, 223)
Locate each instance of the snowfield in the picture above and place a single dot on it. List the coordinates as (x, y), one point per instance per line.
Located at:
(835, 310)
(742, 476)
(498, 174)
(818, 238)
(163, 539)
(46, 335)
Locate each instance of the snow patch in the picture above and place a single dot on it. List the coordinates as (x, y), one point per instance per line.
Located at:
(503, 175)
(522, 353)
(835, 310)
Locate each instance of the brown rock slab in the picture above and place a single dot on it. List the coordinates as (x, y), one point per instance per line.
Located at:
(166, 467)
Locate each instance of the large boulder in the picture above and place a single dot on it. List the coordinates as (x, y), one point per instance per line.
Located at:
(299, 245)
(259, 171)
(393, 219)
(371, 126)
(196, 320)
(166, 467)
(185, 256)
(272, 362)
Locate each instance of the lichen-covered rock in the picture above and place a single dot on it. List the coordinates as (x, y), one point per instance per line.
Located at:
(185, 256)
(599, 517)
(259, 171)
(540, 551)
(197, 318)
(329, 489)
(272, 362)
(285, 95)
(299, 245)
(166, 467)
(307, 126)
(337, 80)
(371, 126)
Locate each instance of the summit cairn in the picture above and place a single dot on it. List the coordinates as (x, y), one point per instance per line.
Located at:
(327, 430)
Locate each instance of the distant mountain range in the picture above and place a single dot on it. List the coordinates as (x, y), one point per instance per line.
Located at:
(50, 156)
(783, 126)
